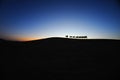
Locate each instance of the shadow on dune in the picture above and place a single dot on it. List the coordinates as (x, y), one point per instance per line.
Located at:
(60, 59)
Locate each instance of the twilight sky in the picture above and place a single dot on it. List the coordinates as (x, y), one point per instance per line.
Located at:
(36, 19)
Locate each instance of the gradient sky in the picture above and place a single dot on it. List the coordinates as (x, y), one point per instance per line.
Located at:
(36, 19)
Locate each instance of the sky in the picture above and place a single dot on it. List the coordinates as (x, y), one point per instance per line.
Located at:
(36, 19)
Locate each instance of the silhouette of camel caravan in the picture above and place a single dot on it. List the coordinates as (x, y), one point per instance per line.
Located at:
(76, 37)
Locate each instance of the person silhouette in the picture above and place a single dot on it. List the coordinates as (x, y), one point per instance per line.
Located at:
(66, 36)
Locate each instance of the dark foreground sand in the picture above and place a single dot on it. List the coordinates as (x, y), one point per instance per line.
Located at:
(60, 59)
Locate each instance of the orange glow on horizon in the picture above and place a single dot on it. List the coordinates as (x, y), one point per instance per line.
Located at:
(22, 38)
(27, 39)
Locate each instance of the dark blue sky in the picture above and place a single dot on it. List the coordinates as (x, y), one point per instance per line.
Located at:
(36, 19)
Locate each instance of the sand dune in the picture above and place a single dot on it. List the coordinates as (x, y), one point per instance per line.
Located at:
(60, 59)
